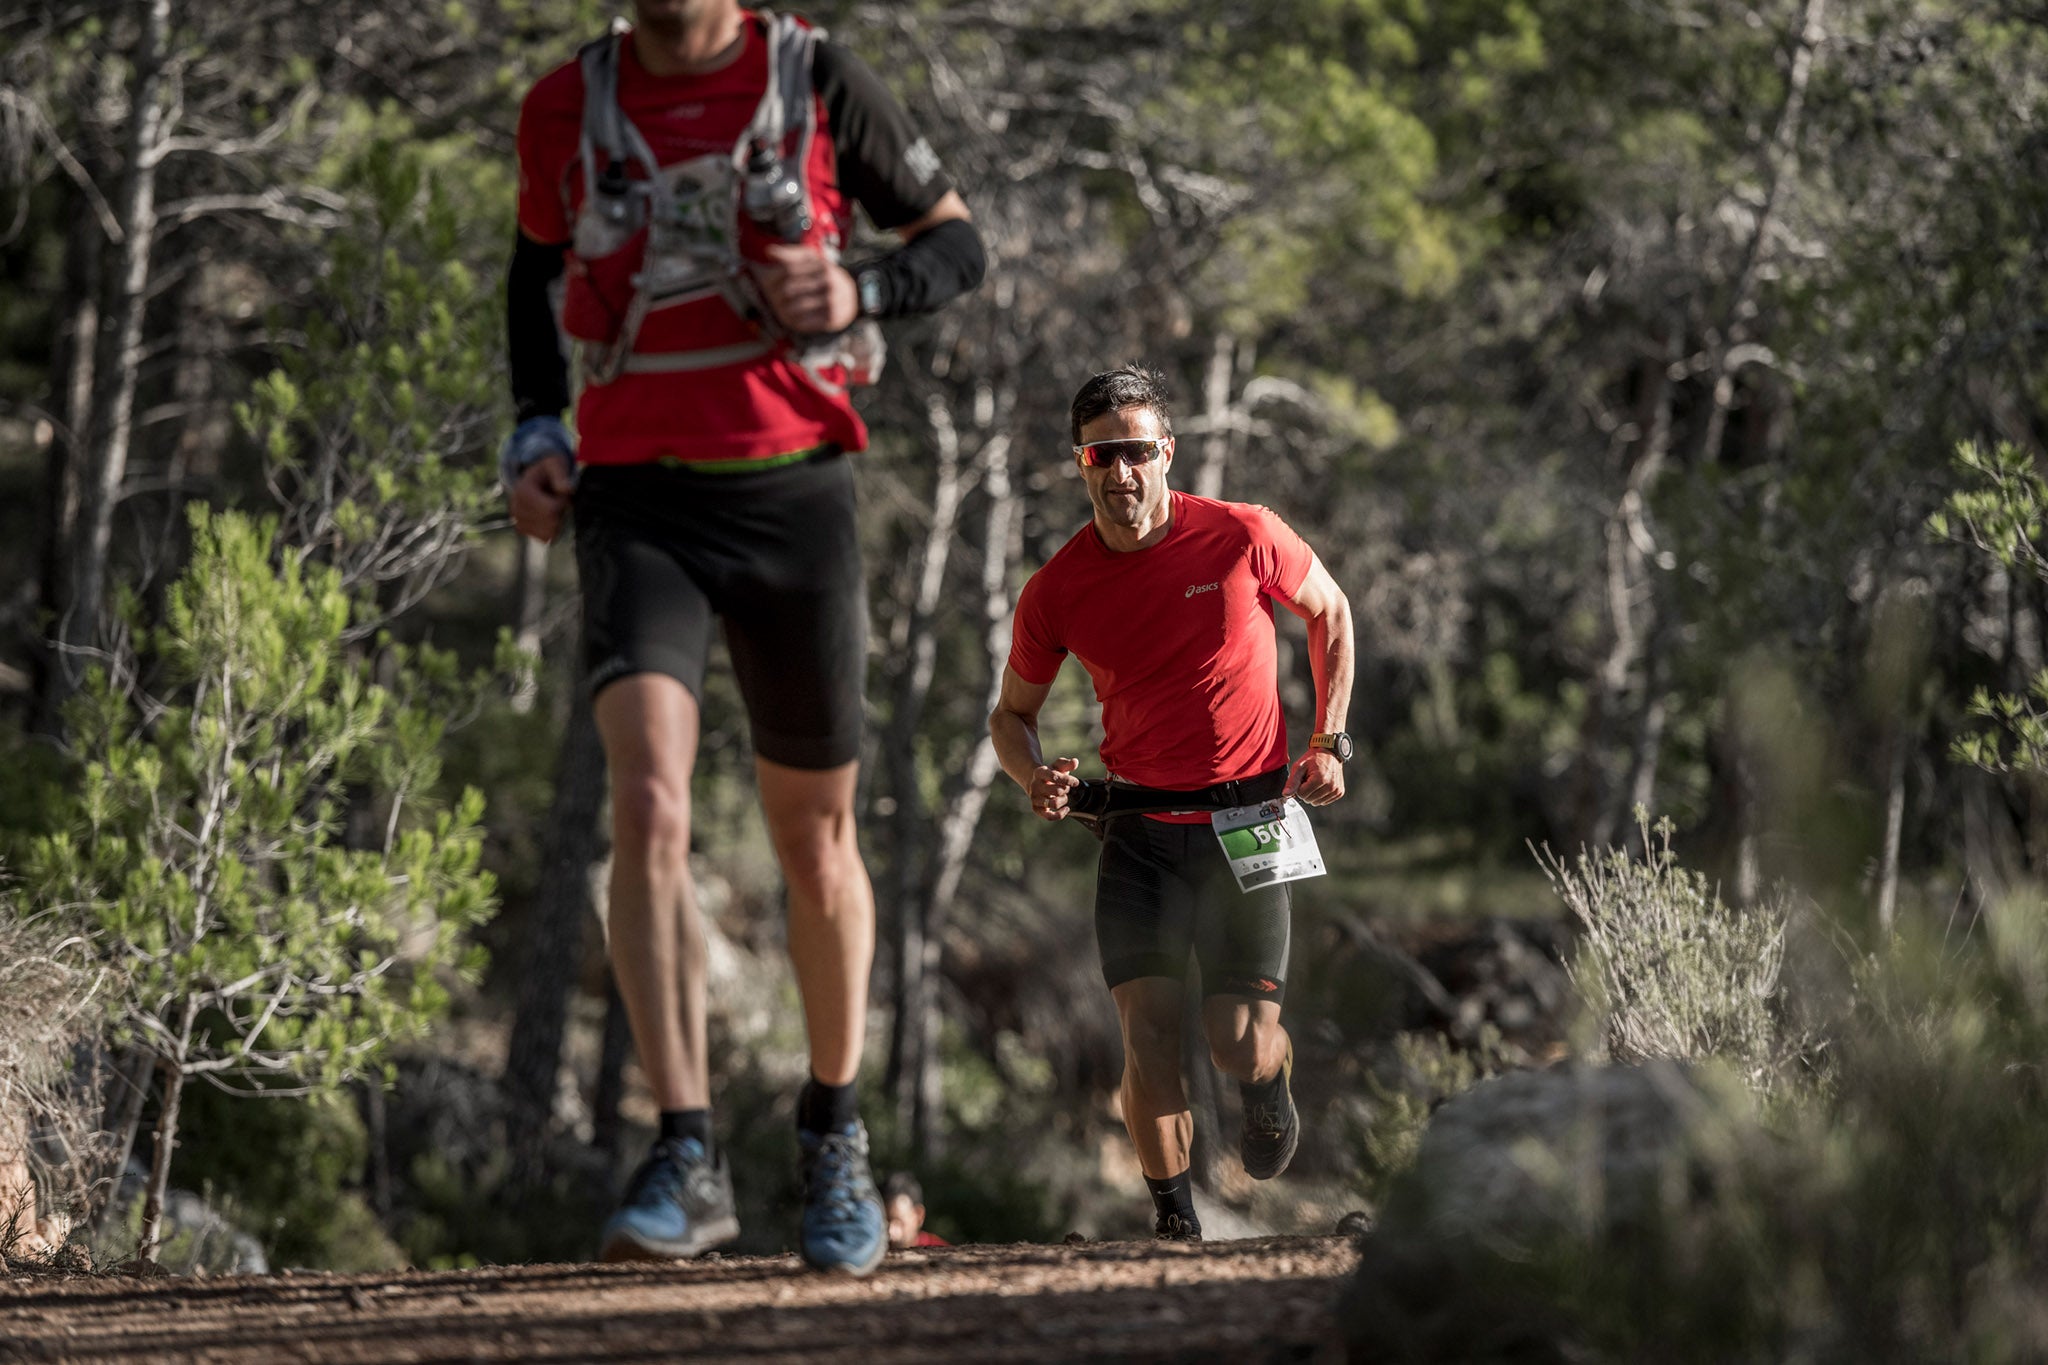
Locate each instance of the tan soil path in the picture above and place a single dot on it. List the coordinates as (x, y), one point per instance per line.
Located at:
(1255, 1300)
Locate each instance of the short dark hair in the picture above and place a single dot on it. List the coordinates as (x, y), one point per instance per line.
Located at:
(903, 1184)
(1126, 386)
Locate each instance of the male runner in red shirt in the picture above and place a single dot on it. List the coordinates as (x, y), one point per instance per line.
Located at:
(1166, 599)
(694, 179)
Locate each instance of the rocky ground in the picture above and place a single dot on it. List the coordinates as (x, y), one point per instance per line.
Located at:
(1264, 1299)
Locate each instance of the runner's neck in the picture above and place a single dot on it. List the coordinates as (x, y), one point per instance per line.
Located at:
(1124, 540)
(696, 49)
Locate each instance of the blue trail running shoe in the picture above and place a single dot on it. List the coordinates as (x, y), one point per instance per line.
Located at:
(844, 1227)
(678, 1204)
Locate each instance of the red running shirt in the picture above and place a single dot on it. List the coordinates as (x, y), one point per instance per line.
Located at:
(1178, 638)
(865, 151)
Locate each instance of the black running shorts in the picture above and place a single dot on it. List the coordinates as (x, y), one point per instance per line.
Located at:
(1161, 890)
(773, 553)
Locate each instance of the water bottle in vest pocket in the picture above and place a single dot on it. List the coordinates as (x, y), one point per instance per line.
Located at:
(606, 250)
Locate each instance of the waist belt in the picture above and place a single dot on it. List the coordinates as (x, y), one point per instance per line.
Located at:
(1100, 799)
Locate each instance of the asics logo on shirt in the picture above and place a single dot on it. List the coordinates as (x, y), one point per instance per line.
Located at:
(1194, 588)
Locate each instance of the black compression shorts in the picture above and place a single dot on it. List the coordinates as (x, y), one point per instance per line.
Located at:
(1161, 890)
(773, 553)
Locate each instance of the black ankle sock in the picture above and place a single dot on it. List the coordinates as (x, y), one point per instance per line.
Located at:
(688, 1123)
(1261, 1092)
(822, 1108)
(1175, 1194)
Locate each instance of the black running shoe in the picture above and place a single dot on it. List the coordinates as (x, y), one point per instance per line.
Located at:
(1177, 1227)
(1272, 1127)
(678, 1204)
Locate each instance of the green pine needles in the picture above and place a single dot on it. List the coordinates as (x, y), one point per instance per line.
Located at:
(253, 841)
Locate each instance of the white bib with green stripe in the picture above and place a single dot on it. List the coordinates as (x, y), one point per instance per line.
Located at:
(1268, 843)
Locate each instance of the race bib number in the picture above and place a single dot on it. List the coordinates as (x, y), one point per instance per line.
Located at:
(1268, 843)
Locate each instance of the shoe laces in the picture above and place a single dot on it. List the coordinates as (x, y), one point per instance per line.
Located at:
(1264, 1119)
(837, 1171)
(673, 1172)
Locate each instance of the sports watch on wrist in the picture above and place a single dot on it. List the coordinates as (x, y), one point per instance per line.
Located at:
(1337, 742)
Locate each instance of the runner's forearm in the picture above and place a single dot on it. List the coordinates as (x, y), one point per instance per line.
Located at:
(1332, 657)
(1016, 741)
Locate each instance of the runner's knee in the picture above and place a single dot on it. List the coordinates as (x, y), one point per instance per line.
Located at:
(651, 817)
(820, 860)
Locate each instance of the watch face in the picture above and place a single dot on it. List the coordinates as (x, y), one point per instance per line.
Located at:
(870, 291)
(1343, 747)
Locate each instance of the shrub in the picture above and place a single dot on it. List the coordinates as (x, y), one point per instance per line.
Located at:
(1677, 972)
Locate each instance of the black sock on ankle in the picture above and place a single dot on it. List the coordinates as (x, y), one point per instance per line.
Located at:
(822, 1108)
(688, 1123)
(1175, 1194)
(1261, 1092)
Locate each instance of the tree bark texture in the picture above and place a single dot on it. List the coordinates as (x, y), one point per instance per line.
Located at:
(907, 824)
(72, 364)
(965, 798)
(109, 430)
(172, 1077)
(127, 1090)
(552, 956)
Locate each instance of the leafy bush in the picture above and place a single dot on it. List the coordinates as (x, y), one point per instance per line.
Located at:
(1677, 972)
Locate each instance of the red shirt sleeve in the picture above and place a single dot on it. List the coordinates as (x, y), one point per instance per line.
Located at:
(1279, 557)
(550, 129)
(1035, 649)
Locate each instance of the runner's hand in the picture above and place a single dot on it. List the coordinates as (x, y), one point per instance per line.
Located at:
(1049, 788)
(808, 292)
(541, 497)
(1317, 779)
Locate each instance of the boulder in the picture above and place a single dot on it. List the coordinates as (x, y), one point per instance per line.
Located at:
(1584, 1151)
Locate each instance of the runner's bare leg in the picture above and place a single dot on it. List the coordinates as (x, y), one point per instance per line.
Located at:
(648, 722)
(1154, 1103)
(831, 906)
(1246, 1040)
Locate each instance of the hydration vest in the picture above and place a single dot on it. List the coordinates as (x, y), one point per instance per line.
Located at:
(669, 236)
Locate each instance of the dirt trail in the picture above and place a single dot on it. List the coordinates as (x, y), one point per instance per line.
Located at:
(1256, 1300)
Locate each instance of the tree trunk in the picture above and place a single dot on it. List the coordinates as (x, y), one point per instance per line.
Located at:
(907, 823)
(1632, 607)
(72, 363)
(532, 591)
(611, 1072)
(173, 1076)
(1216, 411)
(1781, 161)
(553, 957)
(110, 427)
(965, 800)
(127, 1090)
(1894, 827)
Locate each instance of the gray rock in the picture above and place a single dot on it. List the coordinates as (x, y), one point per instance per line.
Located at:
(1580, 1151)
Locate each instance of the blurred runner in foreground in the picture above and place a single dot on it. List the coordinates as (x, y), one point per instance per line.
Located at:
(692, 181)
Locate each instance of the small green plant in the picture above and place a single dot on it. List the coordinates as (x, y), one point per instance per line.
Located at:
(1428, 1069)
(1676, 971)
(2002, 512)
(256, 849)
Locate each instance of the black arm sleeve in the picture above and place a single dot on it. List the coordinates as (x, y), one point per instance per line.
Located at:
(933, 268)
(540, 376)
(884, 164)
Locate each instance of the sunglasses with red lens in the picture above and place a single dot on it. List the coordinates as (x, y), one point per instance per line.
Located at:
(1131, 450)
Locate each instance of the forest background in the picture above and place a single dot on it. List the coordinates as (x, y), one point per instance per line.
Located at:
(1614, 357)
